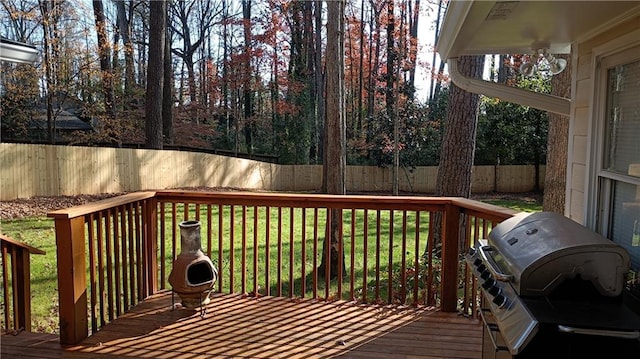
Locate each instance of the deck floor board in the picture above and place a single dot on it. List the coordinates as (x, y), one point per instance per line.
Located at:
(267, 327)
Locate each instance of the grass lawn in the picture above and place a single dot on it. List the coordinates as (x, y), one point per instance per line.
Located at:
(39, 232)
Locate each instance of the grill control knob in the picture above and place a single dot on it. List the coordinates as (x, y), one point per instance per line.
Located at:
(485, 274)
(495, 291)
(488, 283)
(500, 300)
(472, 251)
(477, 262)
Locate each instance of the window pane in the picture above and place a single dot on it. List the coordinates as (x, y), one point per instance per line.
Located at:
(625, 229)
(622, 146)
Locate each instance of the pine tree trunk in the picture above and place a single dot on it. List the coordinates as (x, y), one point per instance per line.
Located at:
(155, 78)
(458, 142)
(335, 152)
(557, 146)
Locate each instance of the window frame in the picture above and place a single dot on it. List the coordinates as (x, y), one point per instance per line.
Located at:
(597, 210)
(602, 182)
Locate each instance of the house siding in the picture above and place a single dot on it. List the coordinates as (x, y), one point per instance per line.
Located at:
(581, 148)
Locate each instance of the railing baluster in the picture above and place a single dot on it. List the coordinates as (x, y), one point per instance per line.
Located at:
(315, 253)
(403, 261)
(291, 253)
(390, 261)
(125, 262)
(303, 274)
(279, 284)
(243, 289)
(352, 286)
(416, 262)
(5, 285)
(232, 238)
(101, 273)
(109, 260)
(340, 240)
(92, 273)
(365, 251)
(431, 300)
(327, 252)
(267, 252)
(142, 271)
(133, 282)
(163, 244)
(116, 262)
(377, 255)
(14, 291)
(220, 245)
(255, 251)
(209, 230)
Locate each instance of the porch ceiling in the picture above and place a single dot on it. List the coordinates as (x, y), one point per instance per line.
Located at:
(511, 27)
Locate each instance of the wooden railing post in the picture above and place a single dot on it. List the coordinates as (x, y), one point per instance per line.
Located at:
(450, 240)
(22, 270)
(72, 279)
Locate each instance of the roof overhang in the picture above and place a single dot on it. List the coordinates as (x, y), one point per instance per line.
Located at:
(516, 27)
(13, 51)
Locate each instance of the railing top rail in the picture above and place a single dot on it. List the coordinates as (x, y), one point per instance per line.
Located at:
(101, 205)
(302, 200)
(306, 200)
(32, 250)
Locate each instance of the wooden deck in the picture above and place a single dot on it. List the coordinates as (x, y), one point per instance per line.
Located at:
(268, 327)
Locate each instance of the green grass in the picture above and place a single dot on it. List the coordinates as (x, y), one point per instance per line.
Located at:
(522, 205)
(39, 232)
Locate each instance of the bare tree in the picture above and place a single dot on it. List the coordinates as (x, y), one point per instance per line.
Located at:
(155, 78)
(104, 51)
(335, 135)
(124, 28)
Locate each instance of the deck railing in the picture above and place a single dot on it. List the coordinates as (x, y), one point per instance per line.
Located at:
(16, 284)
(268, 244)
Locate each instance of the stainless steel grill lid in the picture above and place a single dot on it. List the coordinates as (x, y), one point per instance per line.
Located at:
(538, 251)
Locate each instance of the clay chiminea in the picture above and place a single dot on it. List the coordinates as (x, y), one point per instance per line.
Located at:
(193, 274)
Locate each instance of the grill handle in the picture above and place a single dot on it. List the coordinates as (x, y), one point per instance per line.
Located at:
(603, 333)
(492, 265)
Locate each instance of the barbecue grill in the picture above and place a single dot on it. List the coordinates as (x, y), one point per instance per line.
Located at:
(554, 288)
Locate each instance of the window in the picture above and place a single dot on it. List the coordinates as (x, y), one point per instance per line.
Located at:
(618, 169)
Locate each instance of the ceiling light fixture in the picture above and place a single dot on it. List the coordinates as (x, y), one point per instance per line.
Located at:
(542, 57)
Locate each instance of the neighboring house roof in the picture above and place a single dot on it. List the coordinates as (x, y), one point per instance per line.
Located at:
(513, 27)
(65, 121)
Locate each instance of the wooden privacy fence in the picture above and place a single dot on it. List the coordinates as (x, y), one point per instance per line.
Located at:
(16, 284)
(267, 244)
(46, 170)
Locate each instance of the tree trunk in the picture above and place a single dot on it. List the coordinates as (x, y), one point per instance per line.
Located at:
(335, 134)
(319, 84)
(44, 8)
(155, 71)
(167, 92)
(390, 90)
(246, 77)
(104, 52)
(125, 33)
(458, 142)
(557, 146)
